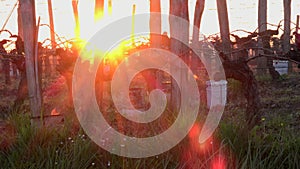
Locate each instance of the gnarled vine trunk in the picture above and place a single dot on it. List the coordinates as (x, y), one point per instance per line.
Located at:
(239, 70)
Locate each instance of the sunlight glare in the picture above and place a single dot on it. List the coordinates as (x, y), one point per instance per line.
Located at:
(89, 27)
(218, 162)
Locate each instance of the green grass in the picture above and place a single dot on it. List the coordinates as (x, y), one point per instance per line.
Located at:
(62, 148)
(273, 144)
(45, 148)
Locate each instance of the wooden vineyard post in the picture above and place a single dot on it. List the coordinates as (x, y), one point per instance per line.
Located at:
(52, 37)
(224, 25)
(51, 23)
(177, 29)
(99, 10)
(155, 39)
(287, 30)
(287, 25)
(199, 8)
(155, 23)
(20, 28)
(297, 23)
(29, 21)
(133, 24)
(297, 28)
(76, 17)
(262, 26)
(110, 7)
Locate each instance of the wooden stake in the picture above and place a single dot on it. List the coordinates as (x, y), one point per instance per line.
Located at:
(177, 29)
(29, 21)
(297, 23)
(287, 30)
(262, 26)
(109, 7)
(20, 25)
(133, 24)
(37, 68)
(51, 22)
(52, 34)
(199, 8)
(99, 10)
(262, 15)
(76, 16)
(287, 25)
(224, 25)
(155, 23)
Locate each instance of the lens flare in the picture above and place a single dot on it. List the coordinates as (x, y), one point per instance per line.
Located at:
(218, 162)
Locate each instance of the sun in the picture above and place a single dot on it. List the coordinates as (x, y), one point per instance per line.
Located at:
(113, 11)
(89, 26)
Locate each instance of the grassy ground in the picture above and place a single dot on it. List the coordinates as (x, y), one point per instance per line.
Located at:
(275, 143)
